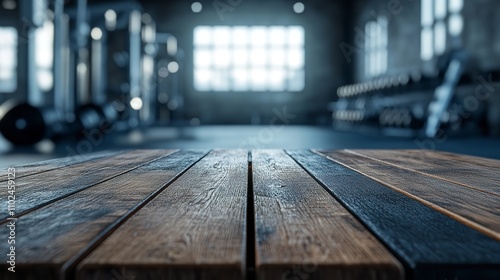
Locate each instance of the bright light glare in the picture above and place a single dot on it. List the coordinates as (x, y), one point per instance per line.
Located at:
(8, 46)
(277, 80)
(426, 46)
(249, 58)
(240, 57)
(439, 38)
(277, 36)
(44, 37)
(173, 67)
(240, 79)
(202, 36)
(299, 7)
(426, 12)
(296, 36)
(455, 6)
(277, 57)
(45, 79)
(221, 36)
(258, 36)
(172, 45)
(203, 79)
(455, 24)
(296, 58)
(110, 16)
(259, 57)
(96, 33)
(196, 7)
(439, 9)
(259, 79)
(81, 68)
(136, 103)
(203, 58)
(240, 36)
(221, 58)
(44, 55)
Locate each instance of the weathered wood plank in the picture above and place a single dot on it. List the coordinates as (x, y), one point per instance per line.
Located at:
(195, 229)
(31, 169)
(460, 170)
(430, 244)
(50, 240)
(472, 159)
(36, 191)
(304, 233)
(478, 210)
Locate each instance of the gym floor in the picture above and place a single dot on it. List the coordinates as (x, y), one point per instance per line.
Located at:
(247, 137)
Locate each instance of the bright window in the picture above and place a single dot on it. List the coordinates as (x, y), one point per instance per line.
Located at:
(439, 18)
(44, 55)
(249, 58)
(8, 59)
(376, 43)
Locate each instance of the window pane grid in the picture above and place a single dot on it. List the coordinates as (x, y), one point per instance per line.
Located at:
(376, 44)
(249, 58)
(439, 18)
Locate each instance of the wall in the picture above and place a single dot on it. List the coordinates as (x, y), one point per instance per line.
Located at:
(481, 32)
(326, 69)
(404, 34)
(480, 37)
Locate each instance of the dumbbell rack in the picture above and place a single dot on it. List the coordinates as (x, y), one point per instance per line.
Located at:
(400, 105)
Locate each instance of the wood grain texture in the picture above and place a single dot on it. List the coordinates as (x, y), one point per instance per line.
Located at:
(304, 233)
(195, 229)
(31, 169)
(461, 170)
(36, 191)
(430, 244)
(51, 238)
(475, 209)
(487, 162)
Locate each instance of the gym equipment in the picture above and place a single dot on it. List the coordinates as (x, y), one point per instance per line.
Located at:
(24, 124)
(91, 117)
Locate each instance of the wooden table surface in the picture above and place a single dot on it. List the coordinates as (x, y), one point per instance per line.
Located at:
(261, 214)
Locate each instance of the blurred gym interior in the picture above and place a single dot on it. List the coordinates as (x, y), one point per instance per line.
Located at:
(81, 76)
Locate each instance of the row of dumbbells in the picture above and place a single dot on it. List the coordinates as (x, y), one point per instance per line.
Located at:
(396, 117)
(399, 83)
(388, 117)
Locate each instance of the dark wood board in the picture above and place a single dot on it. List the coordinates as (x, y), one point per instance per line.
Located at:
(476, 209)
(430, 244)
